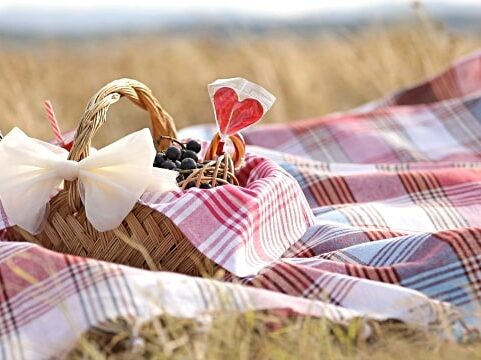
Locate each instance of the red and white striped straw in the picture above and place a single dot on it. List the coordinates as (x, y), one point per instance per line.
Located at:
(54, 123)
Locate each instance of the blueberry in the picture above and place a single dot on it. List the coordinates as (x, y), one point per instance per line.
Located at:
(159, 159)
(189, 154)
(190, 184)
(173, 153)
(169, 165)
(205, 186)
(194, 146)
(177, 164)
(188, 164)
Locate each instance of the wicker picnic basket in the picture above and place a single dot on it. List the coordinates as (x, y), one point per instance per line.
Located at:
(146, 238)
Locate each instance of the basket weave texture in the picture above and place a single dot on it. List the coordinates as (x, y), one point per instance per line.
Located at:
(146, 238)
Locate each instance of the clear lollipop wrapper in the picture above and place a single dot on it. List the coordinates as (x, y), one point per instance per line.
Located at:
(238, 104)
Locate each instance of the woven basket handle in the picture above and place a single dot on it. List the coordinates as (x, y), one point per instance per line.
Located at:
(95, 115)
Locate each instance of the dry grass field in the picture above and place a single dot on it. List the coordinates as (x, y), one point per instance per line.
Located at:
(262, 336)
(310, 76)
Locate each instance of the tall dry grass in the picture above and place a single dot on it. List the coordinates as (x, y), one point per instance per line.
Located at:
(260, 336)
(310, 76)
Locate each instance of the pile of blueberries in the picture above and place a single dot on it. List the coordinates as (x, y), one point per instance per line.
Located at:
(183, 159)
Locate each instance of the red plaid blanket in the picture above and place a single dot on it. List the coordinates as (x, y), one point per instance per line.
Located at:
(395, 189)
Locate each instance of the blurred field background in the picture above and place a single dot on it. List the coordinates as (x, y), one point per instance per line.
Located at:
(310, 76)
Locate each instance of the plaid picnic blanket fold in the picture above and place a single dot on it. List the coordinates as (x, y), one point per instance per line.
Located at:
(242, 228)
(49, 299)
(395, 193)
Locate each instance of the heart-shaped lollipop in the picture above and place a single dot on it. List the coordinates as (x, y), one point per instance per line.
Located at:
(233, 115)
(238, 104)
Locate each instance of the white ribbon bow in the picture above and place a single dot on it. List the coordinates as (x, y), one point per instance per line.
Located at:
(111, 179)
